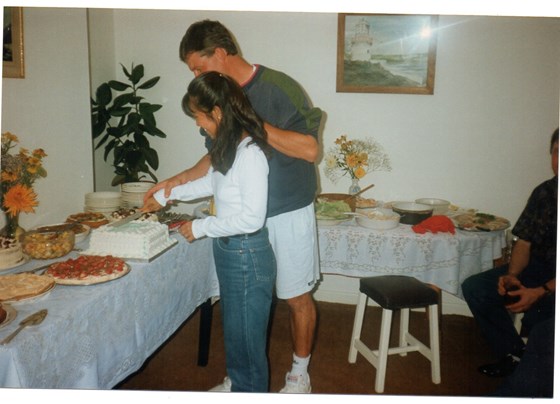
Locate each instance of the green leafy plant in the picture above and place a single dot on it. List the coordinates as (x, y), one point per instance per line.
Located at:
(122, 118)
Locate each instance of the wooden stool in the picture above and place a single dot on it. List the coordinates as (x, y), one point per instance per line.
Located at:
(403, 293)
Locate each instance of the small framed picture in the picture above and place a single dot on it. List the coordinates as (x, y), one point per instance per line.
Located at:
(12, 54)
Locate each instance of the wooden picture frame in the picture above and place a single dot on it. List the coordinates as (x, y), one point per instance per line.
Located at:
(386, 53)
(12, 53)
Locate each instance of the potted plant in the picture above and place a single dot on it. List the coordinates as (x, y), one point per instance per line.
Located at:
(123, 119)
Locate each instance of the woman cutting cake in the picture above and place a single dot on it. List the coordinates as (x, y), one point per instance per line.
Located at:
(238, 180)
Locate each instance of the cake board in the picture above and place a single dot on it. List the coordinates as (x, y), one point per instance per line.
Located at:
(141, 260)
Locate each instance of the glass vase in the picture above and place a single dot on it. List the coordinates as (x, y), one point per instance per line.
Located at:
(354, 187)
(12, 228)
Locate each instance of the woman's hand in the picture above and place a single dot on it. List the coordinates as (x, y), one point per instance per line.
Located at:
(186, 231)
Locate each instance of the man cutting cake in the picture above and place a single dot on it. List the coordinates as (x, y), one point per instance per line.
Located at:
(292, 125)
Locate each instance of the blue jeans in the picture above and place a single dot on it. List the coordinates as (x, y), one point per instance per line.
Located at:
(246, 269)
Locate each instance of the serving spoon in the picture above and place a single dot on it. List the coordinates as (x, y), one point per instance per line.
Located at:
(360, 192)
(34, 319)
(355, 214)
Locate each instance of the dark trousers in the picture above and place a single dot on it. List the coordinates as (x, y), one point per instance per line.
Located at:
(534, 376)
(495, 321)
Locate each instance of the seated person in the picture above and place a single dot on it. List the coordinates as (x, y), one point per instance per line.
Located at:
(529, 280)
(534, 377)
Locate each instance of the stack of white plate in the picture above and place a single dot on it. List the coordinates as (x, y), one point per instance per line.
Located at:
(132, 193)
(103, 202)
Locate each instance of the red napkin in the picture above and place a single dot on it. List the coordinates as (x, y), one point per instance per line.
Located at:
(435, 224)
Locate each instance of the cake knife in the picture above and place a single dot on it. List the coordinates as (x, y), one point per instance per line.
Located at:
(127, 219)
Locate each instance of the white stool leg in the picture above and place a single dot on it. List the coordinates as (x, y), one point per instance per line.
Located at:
(383, 351)
(405, 317)
(357, 330)
(434, 343)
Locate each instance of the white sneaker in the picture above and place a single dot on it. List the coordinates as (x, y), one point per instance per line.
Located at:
(297, 384)
(224, 387)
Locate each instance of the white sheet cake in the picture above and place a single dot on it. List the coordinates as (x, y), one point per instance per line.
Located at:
(136, 239)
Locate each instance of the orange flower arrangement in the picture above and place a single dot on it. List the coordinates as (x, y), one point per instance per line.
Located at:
(19, 172)
(355, 158)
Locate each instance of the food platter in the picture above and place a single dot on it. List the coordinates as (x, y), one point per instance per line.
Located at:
(30, 298)
(91, 219)
(85, 282)
(11, 314)
(87, 270)
(480, 222)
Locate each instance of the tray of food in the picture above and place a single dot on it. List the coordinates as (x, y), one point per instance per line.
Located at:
(477, 221)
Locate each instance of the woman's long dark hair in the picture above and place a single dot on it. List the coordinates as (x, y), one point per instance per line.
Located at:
(213, 89)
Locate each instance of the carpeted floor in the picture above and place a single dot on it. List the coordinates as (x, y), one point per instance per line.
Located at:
(174, 366)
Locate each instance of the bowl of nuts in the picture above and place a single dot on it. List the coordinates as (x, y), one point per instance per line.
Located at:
(81, 231)
(47, 245)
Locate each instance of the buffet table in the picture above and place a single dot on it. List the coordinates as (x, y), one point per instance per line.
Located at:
(95, 336)
(441, 259)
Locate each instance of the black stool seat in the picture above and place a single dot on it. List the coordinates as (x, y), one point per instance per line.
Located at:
(394, 292)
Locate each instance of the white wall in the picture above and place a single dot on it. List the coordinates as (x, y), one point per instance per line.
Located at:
(49, 109)
(480, 141)
(102, 69)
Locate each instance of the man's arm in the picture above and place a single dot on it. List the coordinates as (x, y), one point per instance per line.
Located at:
(520, 254)
(292, 143)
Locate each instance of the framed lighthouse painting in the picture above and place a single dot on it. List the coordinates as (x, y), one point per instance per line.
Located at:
(382, 53)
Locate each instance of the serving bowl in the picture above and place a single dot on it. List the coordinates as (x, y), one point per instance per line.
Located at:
(46, 245)
(339, 197)
(80, 230)
(412, 212)
(379, 219)
(441, 206)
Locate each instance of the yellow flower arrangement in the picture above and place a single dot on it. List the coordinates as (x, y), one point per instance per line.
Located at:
(19, 172)
(355, 158)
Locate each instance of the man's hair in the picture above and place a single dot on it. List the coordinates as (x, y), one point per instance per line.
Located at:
(204, 37)
(553, 139)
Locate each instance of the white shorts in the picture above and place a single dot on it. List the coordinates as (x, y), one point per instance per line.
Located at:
(293, 236)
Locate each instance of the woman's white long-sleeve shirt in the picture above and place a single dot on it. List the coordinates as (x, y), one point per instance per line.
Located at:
(240, 196)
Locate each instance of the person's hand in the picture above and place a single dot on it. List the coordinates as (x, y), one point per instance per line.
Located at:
(527, 297)
(507, 282)
(167, 185)
(186, 231)
(150, 205)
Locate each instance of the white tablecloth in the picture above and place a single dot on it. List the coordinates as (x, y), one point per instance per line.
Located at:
(95, 336)
(442, 259)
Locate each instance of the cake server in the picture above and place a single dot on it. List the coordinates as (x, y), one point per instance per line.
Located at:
(127, 219)
(34, 319)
